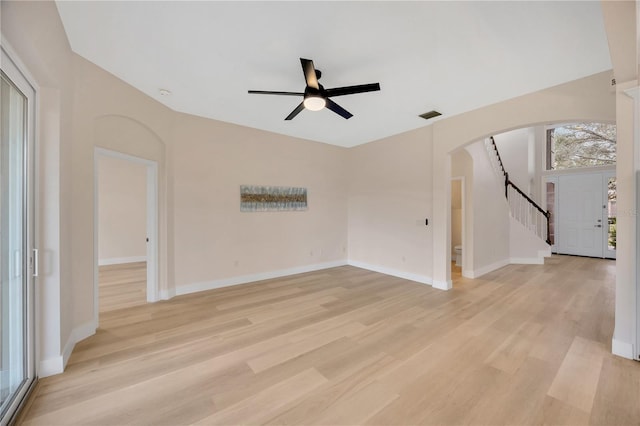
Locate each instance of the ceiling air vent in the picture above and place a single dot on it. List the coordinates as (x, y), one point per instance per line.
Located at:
(430, 114)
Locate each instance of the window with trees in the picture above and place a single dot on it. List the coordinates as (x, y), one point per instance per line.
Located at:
(581, 145)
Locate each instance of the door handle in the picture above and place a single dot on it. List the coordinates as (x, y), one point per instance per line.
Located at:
(35, 262)
(597, 226)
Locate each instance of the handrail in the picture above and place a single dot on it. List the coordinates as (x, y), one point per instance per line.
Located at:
(495, 148)
(533, 203)
(508, 182)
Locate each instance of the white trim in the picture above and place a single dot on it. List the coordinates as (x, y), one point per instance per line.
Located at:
(51, 366)
(153, 233)
(422, 279)
(545, 253)
(77, 334)
(635, 302)
(153, 293)
(442, 285)
(476, 273)
(578, 171)
(119, 260)
(56, 365)
(623, 349)
(527, 260)
(463, 229)
(245, 279)
(532, 260)
(122, 156)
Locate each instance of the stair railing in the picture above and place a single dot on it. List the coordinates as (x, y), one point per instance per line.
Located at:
(522, 207)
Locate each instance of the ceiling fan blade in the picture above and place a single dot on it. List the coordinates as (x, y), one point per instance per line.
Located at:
(350, 90)
(295, 111)
(338, 109)
(269, 92)
(309, 73)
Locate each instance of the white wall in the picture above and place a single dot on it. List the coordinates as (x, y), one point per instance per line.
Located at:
(122, 201)
(490, 215)
(456, 212)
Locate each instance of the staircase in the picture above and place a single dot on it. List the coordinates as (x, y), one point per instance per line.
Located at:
(523, 210)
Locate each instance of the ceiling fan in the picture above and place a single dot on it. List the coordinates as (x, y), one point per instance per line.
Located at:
(316, 96)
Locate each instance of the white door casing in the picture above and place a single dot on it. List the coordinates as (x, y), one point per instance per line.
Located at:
(151, 223)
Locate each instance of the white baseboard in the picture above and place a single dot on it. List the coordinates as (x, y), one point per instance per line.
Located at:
(532, 260)
(545, 252)
(443, 285)
(119, 260)
(56, 365)
(422, 279)
(476, 273)
(167, 294)
(623, 349)
(79, 333)
(527, 260)
(51, 366)
(244, 279)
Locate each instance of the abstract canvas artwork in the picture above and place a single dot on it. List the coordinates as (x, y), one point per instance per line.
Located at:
(255, 198)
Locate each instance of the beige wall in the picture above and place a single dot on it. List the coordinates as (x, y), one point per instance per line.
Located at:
(214, 240)
(110, 114)
(203, 237)
(389, 200)
(376, 195)
(122, 210)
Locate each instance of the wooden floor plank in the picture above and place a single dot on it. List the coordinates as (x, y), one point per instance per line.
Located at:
(122, 286)
(577, 379)
(526, 344)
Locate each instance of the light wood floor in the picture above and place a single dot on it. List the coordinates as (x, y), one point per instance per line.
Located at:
(122, 286)
(523, 345)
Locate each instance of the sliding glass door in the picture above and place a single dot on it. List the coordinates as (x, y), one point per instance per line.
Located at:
(17, 372)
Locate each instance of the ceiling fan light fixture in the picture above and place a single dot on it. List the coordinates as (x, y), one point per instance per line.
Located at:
(314, 103)
(317, 97)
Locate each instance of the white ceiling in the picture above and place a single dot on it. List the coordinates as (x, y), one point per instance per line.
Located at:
(448, 56)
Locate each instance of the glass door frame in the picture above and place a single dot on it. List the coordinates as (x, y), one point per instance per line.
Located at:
(12, 69)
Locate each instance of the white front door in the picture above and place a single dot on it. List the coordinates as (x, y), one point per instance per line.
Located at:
(582, 215)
